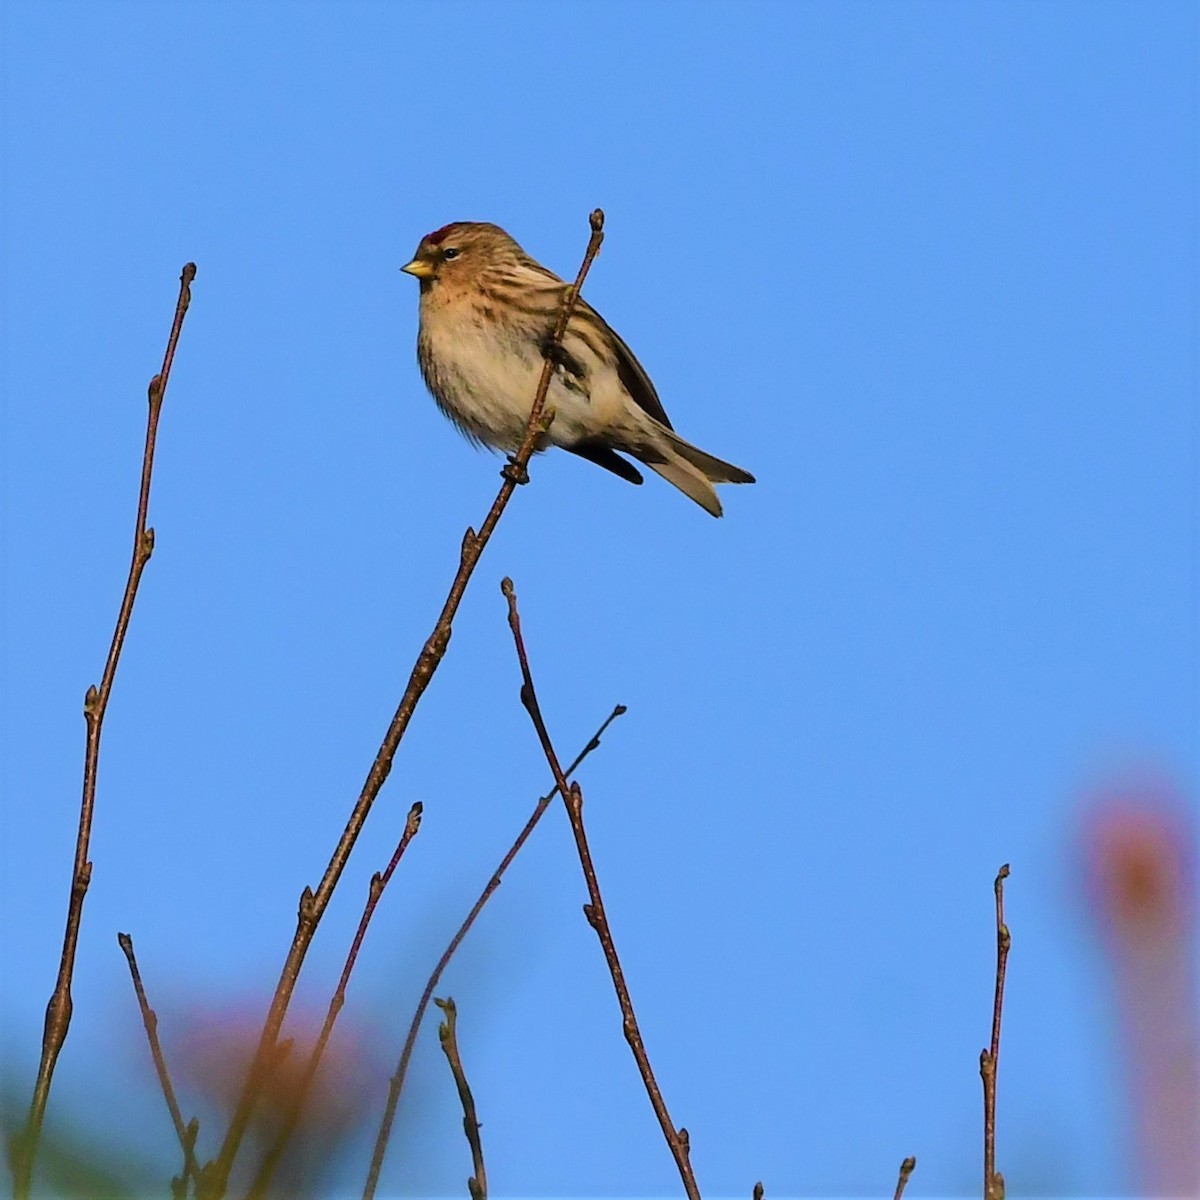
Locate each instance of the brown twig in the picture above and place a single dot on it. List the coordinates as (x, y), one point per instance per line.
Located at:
(907, 1167)
(758, 1191)
(185, 1132)
(379, 881)
(410, 1041)
(215, 1175)
(448, 1036)
(23, 1149)
(677, 1139)
(989, 1059)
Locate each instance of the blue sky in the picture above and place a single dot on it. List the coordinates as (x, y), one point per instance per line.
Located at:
(928, 270)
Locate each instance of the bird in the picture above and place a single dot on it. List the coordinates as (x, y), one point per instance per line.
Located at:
(487, 317)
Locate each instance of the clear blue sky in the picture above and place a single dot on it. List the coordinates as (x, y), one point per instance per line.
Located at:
(928, 270)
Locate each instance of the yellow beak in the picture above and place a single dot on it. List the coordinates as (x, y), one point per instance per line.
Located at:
(419, 268)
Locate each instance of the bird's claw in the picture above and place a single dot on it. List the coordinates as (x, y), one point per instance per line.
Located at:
(514, 472)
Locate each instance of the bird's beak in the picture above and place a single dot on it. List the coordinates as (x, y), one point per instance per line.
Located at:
(419, 268)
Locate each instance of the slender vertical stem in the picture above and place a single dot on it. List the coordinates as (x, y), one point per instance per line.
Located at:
(907, 1167)
(448, 1036)
(215, 1175)
(379, 881)
(397, 1082)
(185, 1132)
(989, 1059)
(677, 1139)
(23, 1148)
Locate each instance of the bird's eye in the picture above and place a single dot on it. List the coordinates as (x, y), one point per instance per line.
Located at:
(450, 252)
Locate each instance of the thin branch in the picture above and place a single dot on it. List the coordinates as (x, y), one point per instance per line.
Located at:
(215, 1175)
(23, 1149)
(401, 1073)
(989, 1059)
(448, 1036)
(185, 1132)
(907, 1167)
(758, 1191)
(379, 881)
(677, 1139)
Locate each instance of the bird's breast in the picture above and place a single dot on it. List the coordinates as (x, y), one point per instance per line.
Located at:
(484, 371)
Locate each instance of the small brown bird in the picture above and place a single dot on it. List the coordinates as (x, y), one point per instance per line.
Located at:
(487, 316)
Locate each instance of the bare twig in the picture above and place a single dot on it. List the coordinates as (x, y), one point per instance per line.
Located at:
(379, 881)
(448, 1036)
(215, 1175)
(907, 1167)
(23, 1149)
(758, 1191)
(677, 1139)
(397, 1082)
(989, 1059)
(185, 1132)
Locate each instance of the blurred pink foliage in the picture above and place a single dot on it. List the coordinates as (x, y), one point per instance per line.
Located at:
(1140, 843)
(214, 1053)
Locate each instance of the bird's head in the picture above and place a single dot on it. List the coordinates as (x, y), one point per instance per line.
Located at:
(457, 252)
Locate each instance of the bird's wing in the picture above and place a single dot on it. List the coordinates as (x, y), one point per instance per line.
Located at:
(631, 373)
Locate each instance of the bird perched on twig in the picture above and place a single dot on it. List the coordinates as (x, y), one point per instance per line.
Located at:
(488, 312)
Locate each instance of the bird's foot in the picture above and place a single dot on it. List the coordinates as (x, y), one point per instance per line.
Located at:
(514, 472)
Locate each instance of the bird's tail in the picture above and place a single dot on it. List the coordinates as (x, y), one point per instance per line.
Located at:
(693, 471)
